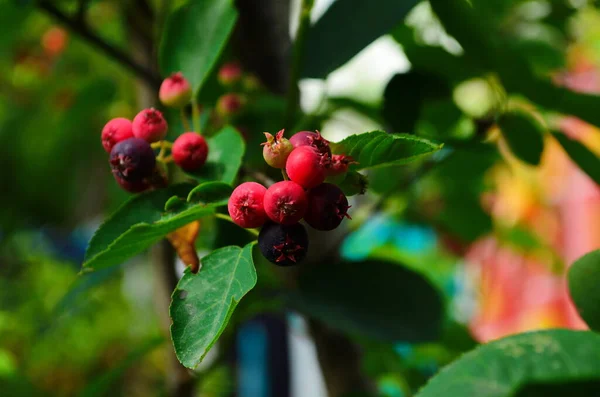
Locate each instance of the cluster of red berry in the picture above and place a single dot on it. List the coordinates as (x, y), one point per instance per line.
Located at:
(307, 161)
(132, 144)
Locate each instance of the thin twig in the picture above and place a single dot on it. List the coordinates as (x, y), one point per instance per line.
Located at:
(82, 7)
(293, 94)
(184, 120)
(78, 26)
(227, 218)
(196, 116)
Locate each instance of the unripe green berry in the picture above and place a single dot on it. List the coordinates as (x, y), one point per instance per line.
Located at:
(277, 149)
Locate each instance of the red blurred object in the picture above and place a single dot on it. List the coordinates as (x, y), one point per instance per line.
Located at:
(54, 41)
(560, 205)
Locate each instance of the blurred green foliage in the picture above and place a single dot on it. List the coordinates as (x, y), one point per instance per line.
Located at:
(63, 335)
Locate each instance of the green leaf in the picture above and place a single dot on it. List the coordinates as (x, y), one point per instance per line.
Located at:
(464, 218)
(440, 119)
(351, 183)
(366, 109)
(215, 193)
(524, 135)
(405, 95)
(427, 59)
(478, 35)
(581, 155)
(138, 224)
(531, 360)
(226, 150)
(460, 179)
(194, 36)
(584, 278)
(380, 149)
(337, 36)
(203, 303)
(375, 298)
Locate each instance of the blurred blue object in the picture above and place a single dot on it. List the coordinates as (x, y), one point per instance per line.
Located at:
(414, 238)
(253, 361)
(67, 245)
(382, 229)
(374, 233)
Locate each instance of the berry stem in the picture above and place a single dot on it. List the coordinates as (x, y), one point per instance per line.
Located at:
(285, 175)
(196, 116)
(227, 218)
(293, 94)
(184, 120)
(161, 144)
(161, 154)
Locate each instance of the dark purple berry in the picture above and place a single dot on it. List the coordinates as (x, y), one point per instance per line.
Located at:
(133, 187)
(132, 160)
(283, 245)
(327, 207)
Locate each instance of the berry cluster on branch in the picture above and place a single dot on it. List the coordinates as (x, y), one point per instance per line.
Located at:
(306, 162)
(137, 147)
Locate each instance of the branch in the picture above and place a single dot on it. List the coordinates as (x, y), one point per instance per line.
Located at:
(340, 361)
(82, 7)
(78, 26)
(293, 94)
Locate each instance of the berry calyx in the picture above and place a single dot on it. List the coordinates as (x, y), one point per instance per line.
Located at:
(276, 150)
(327, 207)
(230, 105)
(306, 166)
(156, 181)
(132, 160)
(246, 205)
(115, 131)
(229, 74)
(149, 125)
(314, 139)
(283, 245)
(190, 151)
(339, 164)
(175, 91)
(285, 202)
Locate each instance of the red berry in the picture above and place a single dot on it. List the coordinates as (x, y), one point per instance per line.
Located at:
(230, 73)
(175, 91)
(283, 245)
(285, 202)
(115, 131)
(246, 205)
(54, 41)
(327, 207)
(276, 150)
(132, 160)
(314, 139)
(339, 164)
(149, 125)
(190, 151)
(229, 105)
(306, 167)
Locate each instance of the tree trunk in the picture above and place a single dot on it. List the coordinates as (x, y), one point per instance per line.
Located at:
(339, 359)
(179, 380)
